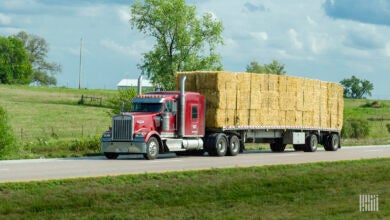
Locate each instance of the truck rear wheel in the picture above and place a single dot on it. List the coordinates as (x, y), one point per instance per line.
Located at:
(311, 143)
(332, 142)
(217, 145)
(234, 146)
(152, 147)
(278, 146)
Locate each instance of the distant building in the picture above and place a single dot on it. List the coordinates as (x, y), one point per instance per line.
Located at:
(133, 83)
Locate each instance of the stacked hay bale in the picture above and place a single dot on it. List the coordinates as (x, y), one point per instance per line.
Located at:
(249, 99)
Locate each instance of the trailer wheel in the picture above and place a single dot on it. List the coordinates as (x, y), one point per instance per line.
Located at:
(333, 142)
(234, 146)
(311, 143)
(111, 156)
(152, 147)
(221, 145)
(278, 146)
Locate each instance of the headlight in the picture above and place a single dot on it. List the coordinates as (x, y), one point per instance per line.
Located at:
(140, 135)
(107, 134)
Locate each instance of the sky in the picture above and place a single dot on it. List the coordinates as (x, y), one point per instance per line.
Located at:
(328, 40)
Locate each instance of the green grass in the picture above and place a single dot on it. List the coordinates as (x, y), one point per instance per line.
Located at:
(307, 191)
(377, 118)
(50, 118)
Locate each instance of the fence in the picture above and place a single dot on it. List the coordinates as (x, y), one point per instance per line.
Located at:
(90, 100)
(38, 133)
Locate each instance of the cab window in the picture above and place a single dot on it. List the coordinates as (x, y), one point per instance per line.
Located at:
(194, 112)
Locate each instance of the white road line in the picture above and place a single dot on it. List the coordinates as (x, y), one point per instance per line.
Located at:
(372, 150)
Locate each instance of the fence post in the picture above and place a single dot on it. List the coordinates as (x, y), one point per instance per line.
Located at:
(21, 134)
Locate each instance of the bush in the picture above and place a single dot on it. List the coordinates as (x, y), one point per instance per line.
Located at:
(125, 97)
(355, 128)
(90, 144)
(388, 127)
(6, 136)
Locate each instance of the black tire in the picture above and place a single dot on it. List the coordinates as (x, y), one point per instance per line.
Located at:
(278, 146)
(298, 147)
(152, 148)
(111, 156)
(311, 143)
(217, 145)
(234, 146)
(333, 142)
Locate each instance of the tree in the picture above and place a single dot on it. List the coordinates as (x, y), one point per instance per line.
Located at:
(255, 67)
(273, 68)
(356, 88)
(37, 48)
(15, 67)
(184, 42)
(6, 135)
(122, 100)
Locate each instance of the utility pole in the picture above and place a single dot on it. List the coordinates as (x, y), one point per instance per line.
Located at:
(81, 50)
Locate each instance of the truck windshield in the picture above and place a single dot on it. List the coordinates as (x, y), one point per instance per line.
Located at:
(147, 107)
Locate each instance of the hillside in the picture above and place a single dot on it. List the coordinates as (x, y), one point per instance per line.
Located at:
(50, 122)
(44, 119)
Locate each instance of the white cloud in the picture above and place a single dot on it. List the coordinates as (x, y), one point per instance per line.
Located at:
(319, 43)
(262, 36)
(294, 38)
(134, 50)
(310, 20)
(387, 49)
(91, 11)
(4, 19)
(124, 14)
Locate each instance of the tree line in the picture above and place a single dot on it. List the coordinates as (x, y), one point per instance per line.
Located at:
(23, 60)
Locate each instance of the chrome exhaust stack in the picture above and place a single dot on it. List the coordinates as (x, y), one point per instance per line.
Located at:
(182, 106)
(139, 88)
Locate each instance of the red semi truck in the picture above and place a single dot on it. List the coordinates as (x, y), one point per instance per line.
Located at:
(175, 121)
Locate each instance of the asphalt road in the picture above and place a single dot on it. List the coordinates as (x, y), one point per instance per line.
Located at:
(43, 169)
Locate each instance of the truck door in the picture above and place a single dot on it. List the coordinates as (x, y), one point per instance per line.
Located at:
(194, 119)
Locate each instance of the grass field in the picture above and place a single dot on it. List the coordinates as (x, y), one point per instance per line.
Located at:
(49, 122)
(307, 191)
(45, 120)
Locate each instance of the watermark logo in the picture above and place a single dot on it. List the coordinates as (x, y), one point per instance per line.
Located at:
(369, 203)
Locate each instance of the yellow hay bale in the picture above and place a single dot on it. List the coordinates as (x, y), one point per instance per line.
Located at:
(307, 119)
(291, 118)
(240, 99)
(298, 118)
(273, 82)
(242, 117)
(281, 118)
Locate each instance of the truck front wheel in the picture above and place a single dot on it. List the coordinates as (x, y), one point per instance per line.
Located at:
(152, 147)
(111, 156)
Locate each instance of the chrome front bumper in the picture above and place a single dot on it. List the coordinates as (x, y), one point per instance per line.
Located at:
(133, 147)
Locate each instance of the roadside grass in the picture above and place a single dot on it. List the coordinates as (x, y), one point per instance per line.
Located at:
(307, 191)
(377, 118)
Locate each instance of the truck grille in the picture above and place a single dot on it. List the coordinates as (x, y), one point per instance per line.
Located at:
(122, 128)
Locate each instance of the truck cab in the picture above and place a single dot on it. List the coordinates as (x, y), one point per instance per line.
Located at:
(159, 122)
